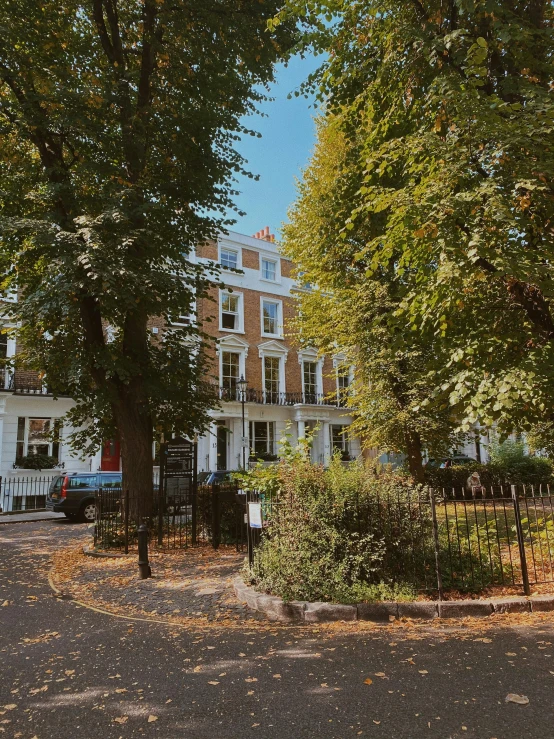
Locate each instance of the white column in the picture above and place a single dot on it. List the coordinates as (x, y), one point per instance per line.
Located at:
(212, 437)
(325, 442)
(301, 429)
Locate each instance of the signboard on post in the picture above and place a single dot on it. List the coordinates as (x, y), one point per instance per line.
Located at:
(177, 481)
(255, 515)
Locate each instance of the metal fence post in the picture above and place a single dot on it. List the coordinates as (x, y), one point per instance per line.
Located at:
(126, 514)
(521, 543)
(216, 517)
(161, 493)
(143, 564)
(436, 542)
(249, 530)
(194, 501)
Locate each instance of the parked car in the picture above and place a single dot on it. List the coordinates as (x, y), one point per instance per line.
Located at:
(73, 493)
(454, 461)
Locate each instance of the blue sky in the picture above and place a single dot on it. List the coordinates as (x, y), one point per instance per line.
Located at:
(288, 136)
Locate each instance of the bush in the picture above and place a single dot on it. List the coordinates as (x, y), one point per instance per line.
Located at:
(340, 534)
(37, 462)
(523, 470)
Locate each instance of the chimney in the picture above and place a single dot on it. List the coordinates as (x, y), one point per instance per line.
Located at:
(264, 235)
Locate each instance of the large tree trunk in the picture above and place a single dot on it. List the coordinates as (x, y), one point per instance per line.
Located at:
(135, 431)
(134, 421)
(415, 457)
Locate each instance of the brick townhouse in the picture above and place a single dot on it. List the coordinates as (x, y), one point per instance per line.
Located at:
(286, 387)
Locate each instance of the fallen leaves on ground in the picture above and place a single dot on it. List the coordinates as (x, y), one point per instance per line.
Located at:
(521, 700)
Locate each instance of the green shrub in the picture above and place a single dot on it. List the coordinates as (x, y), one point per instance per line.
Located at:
(518, 470)
(37, 462)
(341, 534)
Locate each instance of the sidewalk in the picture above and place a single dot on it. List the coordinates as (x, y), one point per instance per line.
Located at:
(30, 516)
(195, 583)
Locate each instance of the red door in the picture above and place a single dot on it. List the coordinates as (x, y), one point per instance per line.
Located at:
(110, 456)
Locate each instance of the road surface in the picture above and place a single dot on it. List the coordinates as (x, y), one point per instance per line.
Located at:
(68, 671)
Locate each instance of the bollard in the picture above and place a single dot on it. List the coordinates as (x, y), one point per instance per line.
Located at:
(144, 566)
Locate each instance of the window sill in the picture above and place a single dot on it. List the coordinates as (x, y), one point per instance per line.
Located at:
(271, 282)
(231, 330)
(272, 336)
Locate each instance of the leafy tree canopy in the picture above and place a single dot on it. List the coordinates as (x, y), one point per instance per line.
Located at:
(352, 312)
(118, 126)
(450, 106)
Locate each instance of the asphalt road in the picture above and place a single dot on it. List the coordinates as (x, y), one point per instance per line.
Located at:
(67, 671)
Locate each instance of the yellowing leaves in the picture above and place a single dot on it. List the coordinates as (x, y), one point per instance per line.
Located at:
(368, 681)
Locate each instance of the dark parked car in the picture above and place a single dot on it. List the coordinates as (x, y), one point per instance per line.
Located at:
(73, 493)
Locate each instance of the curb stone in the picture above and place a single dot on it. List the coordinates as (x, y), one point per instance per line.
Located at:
(418, 609)
(542, 603)
(377, 611)
(276, 609)
(465, 608)
(323, 612)
(511, 605)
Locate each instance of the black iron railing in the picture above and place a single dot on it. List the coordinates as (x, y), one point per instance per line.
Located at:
(266, 397)
(445, 541)
(209, 515)
(29, 493)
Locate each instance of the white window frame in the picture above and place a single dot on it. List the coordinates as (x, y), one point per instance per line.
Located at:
(279, 304)
(272, 349)
(251, 436)
(50, 443)
(236, 250)
(277, 262)
(10, 352)
(242, 361)
(339, 370)
(311, 355)
(346, 441)
(240, 329)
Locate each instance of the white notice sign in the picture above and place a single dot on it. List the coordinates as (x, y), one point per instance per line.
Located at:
(255, 515)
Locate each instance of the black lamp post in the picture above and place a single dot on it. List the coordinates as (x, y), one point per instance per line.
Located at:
(242, 385)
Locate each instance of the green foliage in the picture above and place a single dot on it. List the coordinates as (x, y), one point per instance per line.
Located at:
(447, 119)
(37, 462)
(524, 471)
(353, 313)
(316, 549)
(508, 452)
(348, 534)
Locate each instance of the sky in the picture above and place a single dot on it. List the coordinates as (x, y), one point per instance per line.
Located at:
(288, 137)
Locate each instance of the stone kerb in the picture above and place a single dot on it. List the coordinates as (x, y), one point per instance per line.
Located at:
(276, 609)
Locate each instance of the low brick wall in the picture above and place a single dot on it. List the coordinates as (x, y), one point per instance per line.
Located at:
(301, 611)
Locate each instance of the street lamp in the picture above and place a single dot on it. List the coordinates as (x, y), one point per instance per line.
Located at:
(242, 385)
